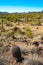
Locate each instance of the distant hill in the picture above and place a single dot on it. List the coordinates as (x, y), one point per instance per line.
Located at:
(4, 12)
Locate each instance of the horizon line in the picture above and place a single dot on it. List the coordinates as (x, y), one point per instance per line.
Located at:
(11, 9)
(21, 11)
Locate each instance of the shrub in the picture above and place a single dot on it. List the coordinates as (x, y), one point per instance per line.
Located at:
(8, 23)
(9, 33)
(28, 32)
(17, 31)
(36, 22)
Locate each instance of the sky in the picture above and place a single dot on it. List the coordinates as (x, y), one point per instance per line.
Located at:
(21, 5)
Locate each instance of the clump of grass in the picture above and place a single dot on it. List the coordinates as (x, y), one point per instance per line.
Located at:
(8, 23)
(28, 32)
(35, 22)
(9, 33)
(14, 31)
(17, 31)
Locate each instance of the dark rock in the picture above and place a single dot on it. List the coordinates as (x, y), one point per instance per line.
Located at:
(36, 43)
(14, 37)
(41, 38)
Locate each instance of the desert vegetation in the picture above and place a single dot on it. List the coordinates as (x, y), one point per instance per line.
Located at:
(21, 38)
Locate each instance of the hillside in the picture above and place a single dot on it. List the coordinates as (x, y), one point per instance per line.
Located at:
(24, 30)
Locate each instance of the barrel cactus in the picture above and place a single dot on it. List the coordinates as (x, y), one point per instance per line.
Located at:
(16, 53)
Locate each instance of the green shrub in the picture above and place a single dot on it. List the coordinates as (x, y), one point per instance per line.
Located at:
(9, 33)
(8, 23)
(17, 31)
(28, 32)
(35, 23)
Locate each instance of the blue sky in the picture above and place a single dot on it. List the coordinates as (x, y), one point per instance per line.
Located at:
(21, 5)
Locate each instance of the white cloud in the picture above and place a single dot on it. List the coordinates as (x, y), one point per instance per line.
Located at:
(19, 9)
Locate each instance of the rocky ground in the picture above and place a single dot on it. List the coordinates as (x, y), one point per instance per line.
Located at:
(33, 55)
